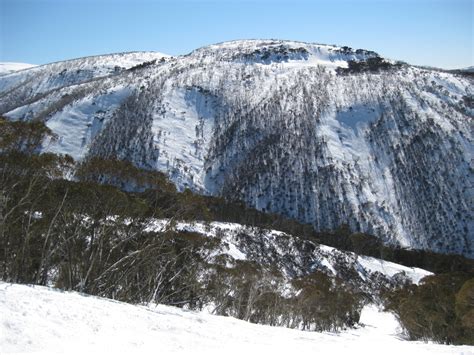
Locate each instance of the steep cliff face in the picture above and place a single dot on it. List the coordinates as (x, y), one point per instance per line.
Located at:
(327, 135)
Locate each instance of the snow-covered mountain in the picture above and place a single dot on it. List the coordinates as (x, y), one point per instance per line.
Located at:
(45, 321)
(10, 67)
(324, 134)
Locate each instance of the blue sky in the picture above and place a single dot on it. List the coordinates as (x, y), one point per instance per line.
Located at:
(429, 32)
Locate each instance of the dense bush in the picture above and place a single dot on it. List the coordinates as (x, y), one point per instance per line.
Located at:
(22, 136)
(326, 304)
(260, 294)
(441, 308)
(366, 244)
(370, 65)
(142, 65)
(122, 174)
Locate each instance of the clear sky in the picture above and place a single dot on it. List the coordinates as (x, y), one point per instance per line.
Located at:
(425, 32)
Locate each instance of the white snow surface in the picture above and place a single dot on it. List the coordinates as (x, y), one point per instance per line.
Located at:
(390, 269)
(182, 135)
(85, 119)
(9, 67)
(40, 320)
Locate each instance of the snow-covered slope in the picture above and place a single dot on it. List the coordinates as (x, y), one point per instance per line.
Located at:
(9, 67)
(37, 82)
(324, 134)
(45, 321)
(294, 257)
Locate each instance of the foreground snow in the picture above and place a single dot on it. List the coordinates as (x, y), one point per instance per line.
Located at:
(41, 320)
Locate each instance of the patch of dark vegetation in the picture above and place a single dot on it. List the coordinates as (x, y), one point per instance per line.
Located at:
(441, 308)
(370, 65)
(143, 65)
(348, 51)
(464, 73)
(366, 244)
(280, 53)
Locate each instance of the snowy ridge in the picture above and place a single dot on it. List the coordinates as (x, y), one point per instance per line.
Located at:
(271, 246)
(9, 67)
(285, 53)
(278, 125)
(45, 321)
(48, 77)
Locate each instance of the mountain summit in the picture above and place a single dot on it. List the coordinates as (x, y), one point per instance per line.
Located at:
(325, 134)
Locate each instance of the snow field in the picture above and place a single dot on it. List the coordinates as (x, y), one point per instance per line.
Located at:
(41, 320)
